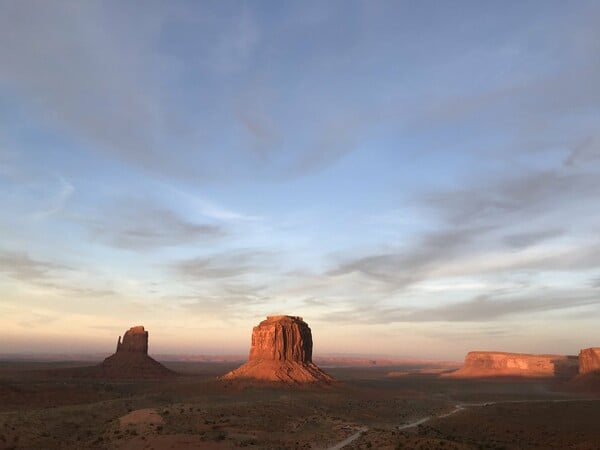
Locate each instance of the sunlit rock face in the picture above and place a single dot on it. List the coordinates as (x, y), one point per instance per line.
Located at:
(131, 359)
(492, 364)
(281, 351)
(282, 338)
(589, 360)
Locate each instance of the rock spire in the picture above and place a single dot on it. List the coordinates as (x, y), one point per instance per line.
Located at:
(131, 359)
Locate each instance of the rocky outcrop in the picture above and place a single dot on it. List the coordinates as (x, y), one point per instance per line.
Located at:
(281, 351)
(494, 364)
(282, 338)
(589, 360)
(134, 340)
(131, 359)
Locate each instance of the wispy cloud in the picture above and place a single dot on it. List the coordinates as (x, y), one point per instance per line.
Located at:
(526, 239)
(53, 276)
(58, 201)
(139, 225)
(37, 319)
(210, 208)
(20, 266)
(261, 129)
(509, 227)
(475, 253)
(229, 264)
(404, 267)
(484, 308)
(514, 198)
(226, 302)
(585, 151)
(334, 138)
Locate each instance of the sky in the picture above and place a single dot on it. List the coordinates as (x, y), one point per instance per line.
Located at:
(415, 179)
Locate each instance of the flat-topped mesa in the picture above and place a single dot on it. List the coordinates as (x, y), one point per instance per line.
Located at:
(589, 360)
(281, 351)
(282, 338)
(494, 364)
(134, 340)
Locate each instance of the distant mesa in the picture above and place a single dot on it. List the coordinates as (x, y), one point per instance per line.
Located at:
(589, 371)
(131, 359)
(281, 351)
(589, 360)
(497, 364)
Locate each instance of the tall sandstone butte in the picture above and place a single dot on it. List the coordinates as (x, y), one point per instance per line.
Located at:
(281, 351)
(589, 360)
(134, 340)
(494, 364)
(131, 359)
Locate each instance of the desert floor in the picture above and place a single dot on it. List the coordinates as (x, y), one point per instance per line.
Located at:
(48, 405)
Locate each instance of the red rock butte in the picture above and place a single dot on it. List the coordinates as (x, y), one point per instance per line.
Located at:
(134, 340)
(589, 360)
(498, 364)
(131, 359)
(281, 351)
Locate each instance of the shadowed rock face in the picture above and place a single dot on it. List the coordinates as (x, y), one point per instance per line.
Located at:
(281, 351)
(589, 360)
(134, 340)
(131, 359)
(491, 364)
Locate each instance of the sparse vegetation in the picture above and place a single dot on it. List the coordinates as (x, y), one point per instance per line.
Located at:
(266, 416)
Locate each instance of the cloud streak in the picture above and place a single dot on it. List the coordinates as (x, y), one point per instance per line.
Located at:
(484, 308)
(404, 267)
(141, 226)
(224, 265)
(53, 276)
(20, 266)
(65, 191)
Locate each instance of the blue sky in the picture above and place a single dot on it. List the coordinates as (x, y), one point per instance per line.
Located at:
(415, 179)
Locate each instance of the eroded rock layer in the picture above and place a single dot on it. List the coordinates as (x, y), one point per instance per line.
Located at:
(493, 364)
(589, 360)
(131, 359)
(282, 338)
(281, 350)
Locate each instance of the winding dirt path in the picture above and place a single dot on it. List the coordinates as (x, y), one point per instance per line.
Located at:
(457, 408)
(349, 439)
(462, 406)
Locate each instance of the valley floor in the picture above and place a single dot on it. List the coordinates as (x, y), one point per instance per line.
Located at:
(41, 407)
